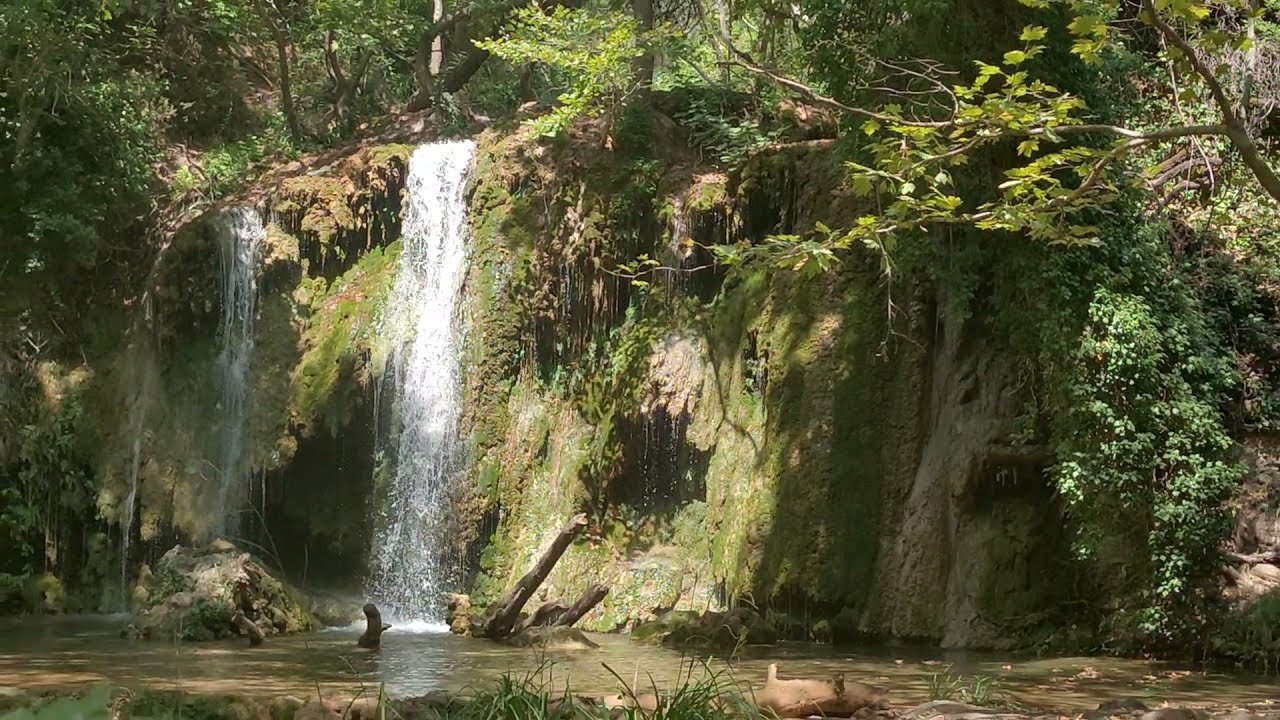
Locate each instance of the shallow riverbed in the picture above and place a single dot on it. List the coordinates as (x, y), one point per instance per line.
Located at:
(70, 651)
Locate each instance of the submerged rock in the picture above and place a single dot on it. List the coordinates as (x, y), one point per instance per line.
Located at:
(680, 630)
(552, 638)
(333, 611)
(203, 593)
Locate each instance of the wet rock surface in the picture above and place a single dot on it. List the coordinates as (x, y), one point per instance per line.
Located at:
(552, 638)
(217, 592)
(711, 629)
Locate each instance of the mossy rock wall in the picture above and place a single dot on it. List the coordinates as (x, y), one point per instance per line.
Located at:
(329, 258)
(810, 446)
(773, 440)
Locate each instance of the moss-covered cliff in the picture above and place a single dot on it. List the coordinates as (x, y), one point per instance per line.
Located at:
(853, 456)
(812, 446)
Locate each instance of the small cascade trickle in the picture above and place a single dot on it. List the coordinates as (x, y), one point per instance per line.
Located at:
(241, 234)
(138, 415)
(412, 569)
(677, 254)
(130, 502)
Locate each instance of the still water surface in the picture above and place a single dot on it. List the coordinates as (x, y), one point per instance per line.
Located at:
(71, 651)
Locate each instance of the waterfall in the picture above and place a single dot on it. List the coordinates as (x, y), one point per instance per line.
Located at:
(411, 569)
(240, 236)
(130, 501)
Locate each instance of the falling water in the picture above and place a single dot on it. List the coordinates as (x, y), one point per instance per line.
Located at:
(138, 413)
(240, 237)
(130, 501)
(410, 570)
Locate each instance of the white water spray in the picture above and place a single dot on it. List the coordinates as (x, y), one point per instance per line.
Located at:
(240, 237)
(411, 569)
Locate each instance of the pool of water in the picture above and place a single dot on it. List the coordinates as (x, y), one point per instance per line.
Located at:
(51, 653)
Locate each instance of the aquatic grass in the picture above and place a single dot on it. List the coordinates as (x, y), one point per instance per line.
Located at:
(981, 690)
(702, 692)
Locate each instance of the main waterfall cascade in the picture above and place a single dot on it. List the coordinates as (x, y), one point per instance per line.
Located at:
(241, 234)
(411, 570)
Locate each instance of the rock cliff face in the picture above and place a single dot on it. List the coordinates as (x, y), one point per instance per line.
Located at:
(816, 447)
(838, 456)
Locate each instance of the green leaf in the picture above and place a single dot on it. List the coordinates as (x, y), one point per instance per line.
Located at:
(870, 127)
(1014, 57)
(1032, 33)
(1028, 147)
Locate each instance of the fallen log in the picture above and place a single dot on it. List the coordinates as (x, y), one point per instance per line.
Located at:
(500, 619)
(836, 697)
(546, 614)
(373, 628)
(1253, 558)
(590, 599)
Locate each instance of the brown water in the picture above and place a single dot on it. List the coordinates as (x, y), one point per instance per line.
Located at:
(72, 651)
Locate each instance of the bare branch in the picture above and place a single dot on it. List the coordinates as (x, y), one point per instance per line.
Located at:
(1235, 129)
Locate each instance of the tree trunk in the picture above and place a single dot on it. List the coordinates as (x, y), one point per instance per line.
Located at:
(499, 619)
(643, 10)
(437, 43)
(526, 83)
(590, 599)
(283, 50)
(462, 74)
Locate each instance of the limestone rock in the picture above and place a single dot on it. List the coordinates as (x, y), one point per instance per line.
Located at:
(710, 629)
(334, 611)
(284, 707)
(553, 638)
(197, 593)
(458, 614)
(1267, 573)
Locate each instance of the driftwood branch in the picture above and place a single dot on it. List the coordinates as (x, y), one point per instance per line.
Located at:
(1254, 558)
(500, 619)
(249, 628)
(546, 614)
(374, 627)
(590, 599)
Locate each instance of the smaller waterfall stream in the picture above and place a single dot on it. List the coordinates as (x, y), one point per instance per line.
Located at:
(411, 569)
(240, 237)
(130, 502)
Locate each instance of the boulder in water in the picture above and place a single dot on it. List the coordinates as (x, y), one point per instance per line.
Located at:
(332, 611)
(458, 614)
(552, 638)
(711, 629)
(203, 594)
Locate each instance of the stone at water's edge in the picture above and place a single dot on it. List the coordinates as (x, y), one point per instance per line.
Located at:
(458, 613)
(333, 611)
(710, 629)
(196, 594)
(552, 638)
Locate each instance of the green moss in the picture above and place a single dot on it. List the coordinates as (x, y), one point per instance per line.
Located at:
(43, 593)
(341, 330)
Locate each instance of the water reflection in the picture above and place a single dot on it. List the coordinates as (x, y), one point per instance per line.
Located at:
(59, 652)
